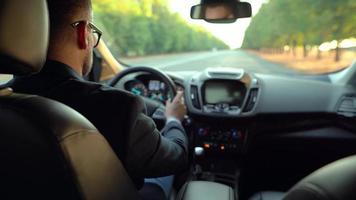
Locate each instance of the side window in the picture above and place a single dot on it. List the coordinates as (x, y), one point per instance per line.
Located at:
(5, 78)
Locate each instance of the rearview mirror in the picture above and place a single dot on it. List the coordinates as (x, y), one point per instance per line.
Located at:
(221, 12)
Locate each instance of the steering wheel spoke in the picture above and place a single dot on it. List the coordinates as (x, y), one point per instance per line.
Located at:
(159, 114)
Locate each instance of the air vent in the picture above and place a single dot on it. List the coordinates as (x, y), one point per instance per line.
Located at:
(251, 100)
(225, 75)
(347, 107)
(194, 95)
(231, 73)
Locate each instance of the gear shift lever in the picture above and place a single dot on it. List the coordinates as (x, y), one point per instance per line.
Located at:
(198, 151)
(198, 156)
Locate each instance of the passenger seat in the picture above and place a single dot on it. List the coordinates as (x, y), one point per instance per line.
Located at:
(333, 181)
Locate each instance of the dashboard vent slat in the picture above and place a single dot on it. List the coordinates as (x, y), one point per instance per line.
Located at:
(347, 106)
(194, 95)
(224, 75)
(251, 100)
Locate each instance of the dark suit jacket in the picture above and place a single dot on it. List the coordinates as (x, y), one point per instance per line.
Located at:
(118, 115)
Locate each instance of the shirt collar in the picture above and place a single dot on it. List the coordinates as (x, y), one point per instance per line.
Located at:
(59, 69)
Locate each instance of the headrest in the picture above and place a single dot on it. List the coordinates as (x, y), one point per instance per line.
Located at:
(23, 36)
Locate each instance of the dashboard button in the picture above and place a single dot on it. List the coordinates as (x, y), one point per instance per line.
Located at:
(207, 146)
(202, 132)
(235, 135)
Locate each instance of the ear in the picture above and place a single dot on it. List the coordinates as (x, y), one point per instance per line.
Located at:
(81, 38)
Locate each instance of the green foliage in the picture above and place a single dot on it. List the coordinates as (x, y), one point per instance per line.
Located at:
(301, 22)
(144, 27)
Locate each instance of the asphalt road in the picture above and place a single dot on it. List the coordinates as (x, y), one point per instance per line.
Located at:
(200, 61)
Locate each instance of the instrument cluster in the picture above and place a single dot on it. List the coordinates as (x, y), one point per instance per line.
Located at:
(150, 88)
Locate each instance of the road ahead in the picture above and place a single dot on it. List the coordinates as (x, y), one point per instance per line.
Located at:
(201, 60)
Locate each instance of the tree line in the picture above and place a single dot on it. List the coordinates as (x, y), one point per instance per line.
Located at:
(301, 23)
(146, 27)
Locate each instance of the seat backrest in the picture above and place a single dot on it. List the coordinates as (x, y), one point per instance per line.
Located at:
(334, 181)
(47, 150)
(50, 151)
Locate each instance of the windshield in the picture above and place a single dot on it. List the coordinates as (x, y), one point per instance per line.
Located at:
(282, 37)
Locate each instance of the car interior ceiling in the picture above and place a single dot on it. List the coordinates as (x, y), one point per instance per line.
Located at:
(263, 146)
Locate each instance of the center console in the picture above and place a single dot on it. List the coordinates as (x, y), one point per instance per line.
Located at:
(219, 102)
(219, 139)
(205, 190)
(221, 96)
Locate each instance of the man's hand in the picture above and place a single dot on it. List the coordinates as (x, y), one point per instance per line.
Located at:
(176, 108)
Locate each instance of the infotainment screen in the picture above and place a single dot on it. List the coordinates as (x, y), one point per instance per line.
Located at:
(224, 92)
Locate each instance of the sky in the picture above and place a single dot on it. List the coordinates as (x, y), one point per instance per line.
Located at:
(231, 34)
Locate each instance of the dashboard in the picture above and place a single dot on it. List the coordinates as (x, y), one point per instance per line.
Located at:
(226, 105)
(233, 93)
(231, 106)
(210, 93)
(260, 122)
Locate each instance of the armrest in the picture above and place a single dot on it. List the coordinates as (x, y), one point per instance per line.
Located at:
(205, 190)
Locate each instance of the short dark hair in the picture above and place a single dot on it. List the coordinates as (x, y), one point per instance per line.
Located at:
(61, 11)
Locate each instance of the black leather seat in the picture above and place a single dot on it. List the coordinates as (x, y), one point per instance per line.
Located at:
(205, 190)
(47, 150)
(268, 195)
(336, 181)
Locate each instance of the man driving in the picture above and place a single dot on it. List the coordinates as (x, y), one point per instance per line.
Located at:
(118, 115)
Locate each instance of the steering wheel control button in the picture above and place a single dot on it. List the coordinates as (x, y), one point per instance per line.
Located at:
(159, 114)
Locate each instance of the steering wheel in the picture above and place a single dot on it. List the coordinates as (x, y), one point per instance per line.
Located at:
(154, 109)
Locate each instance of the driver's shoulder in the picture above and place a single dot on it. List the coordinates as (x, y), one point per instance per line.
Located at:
(104, 93)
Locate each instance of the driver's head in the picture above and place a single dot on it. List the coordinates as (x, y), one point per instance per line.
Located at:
(72, 35)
